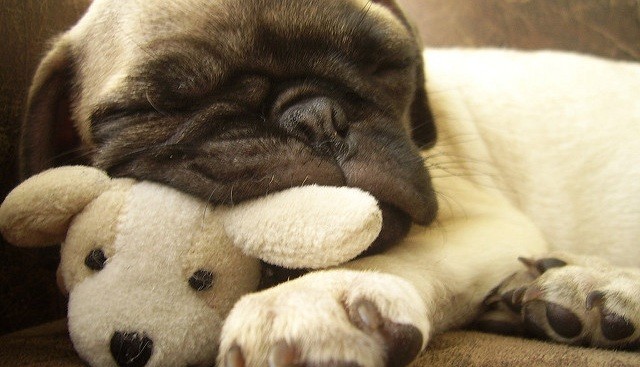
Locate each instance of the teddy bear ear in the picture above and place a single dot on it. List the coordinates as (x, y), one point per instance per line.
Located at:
(38, 211)
(306, 227)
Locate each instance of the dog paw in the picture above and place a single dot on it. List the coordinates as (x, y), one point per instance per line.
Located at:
(586, 306)
(331, 318)
(568, 299)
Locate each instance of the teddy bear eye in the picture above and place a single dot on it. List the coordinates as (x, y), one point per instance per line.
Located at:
(95, 260)
(201, 280)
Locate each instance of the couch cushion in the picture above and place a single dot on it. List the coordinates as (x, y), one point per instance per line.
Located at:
(49, 345)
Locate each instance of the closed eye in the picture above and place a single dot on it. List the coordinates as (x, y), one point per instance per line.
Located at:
(106, 114)
(386, 67)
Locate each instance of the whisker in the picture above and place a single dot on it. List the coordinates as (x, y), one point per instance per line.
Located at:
(450, 201)
(79, 152)
(153, 105)
(206, 206)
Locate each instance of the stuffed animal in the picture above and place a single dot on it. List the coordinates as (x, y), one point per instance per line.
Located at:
(151, 272)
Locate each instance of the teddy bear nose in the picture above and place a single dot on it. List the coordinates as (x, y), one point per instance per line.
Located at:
(131, 349)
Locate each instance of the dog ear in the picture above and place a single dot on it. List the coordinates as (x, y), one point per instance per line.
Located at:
(422, 121)
(47, 132)
(393, 6)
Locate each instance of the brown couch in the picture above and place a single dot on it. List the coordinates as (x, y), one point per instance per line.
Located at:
(49, 345)
(28, 295)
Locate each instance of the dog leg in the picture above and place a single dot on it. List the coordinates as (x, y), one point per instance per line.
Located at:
(570, 299)
(330, 318)
(383, 309)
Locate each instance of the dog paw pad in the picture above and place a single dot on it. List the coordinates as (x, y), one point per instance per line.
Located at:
(542, 319)
(615, 327)
(563, 321)
(570, 299)
(403, 342)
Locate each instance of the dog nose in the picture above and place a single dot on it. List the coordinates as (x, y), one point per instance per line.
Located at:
(319, 121)
(131, 349)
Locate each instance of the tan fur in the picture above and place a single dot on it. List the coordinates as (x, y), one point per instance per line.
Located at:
(435, 279)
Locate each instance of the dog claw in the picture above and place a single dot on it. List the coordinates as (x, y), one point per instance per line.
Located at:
(543, 265)
(594, 299)
(282, 355)
(508, 299)
(518, 295)
(234, 357)
(539, 267)
(366, 316)
(531, 294)
(492, 299)
(529, 263)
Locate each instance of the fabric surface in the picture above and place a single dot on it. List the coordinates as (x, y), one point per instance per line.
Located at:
(466, 348)
(49, 345)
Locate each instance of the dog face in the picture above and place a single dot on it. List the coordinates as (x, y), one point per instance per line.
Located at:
(230, 99)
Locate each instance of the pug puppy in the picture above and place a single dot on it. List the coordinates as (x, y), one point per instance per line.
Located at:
(232, 99)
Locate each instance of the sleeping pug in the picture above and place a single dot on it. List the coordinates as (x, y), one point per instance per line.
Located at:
(232, 99)
(229, 100)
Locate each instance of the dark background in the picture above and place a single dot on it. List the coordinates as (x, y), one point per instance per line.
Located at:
(28, 294)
